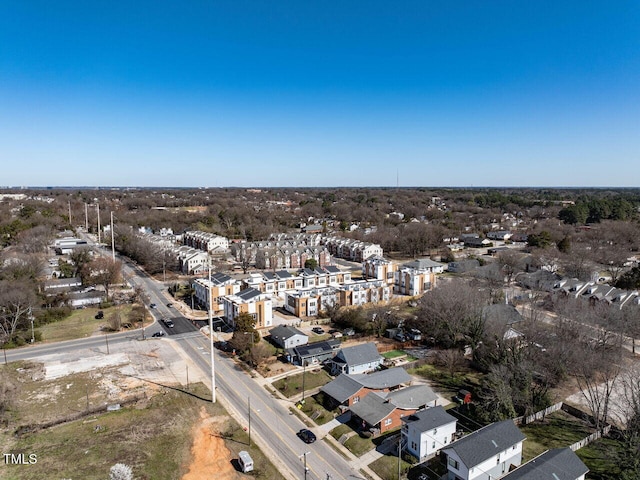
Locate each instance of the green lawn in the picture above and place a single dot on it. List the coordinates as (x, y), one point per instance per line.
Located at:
(313, 405)
(81, 323)
(394, 354)
(387, 467)
(292, 385)
(600, 457)
(557, 430)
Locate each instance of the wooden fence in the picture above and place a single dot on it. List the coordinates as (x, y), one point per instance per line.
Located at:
(587, 440)
(538, 415)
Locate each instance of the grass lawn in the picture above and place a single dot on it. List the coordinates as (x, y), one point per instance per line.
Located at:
(444, 383)
(82, 323)
(313, 405)
(600, 457)
(387, 467)
(355, 443)
(394, 354)
(557, 430)
(292, 385)
(154, 437)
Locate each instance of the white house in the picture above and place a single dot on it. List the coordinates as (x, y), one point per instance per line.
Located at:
(357, 359)
(486, 454)
(426, 432)
(288, 337)
(556, 464)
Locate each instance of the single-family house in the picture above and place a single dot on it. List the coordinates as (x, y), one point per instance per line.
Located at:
(486, 454)
(347, 389)
(287, 337)
(357, 359)
(313, 353)
(427, 431)
(556, 464)
(380, 412)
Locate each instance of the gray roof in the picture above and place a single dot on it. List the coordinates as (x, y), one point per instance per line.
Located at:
(483, 444)
(557, 464)
(382, 379)
(428, 419)
(372, 409)
(284, 332)
(423, 263)
(501, 314)
(342, 388)
(413, 397)
(282, 274)
(332, 269)
(358, 354)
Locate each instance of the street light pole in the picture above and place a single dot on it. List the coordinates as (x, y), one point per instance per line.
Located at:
(249, 411)
(306, 470)
(213, 376)
(113, 247)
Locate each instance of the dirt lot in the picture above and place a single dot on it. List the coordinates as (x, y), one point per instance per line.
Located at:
(169, 431)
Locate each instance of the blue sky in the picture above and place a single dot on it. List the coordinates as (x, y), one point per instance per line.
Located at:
(309, 93)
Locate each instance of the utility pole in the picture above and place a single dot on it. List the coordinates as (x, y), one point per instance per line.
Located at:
(86, 217)
(70, 215)
(249, 411)
(98, 210)
(213, 376)
(304, 374)
(113, 245)
(306, 470)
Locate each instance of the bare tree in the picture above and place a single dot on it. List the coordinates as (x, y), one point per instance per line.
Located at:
(17, 301)
(114, 321)
(596, 375)
(451, 359)
(104, 271)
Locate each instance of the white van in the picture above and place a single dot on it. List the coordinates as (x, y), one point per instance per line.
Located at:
(245, 461)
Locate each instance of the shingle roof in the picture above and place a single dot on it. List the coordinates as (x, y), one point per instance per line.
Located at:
(483, 444)
(413, 397)
(342, 388)
(557, 464)
(428, 419)
(501, 314)
(332, 269)
(359, 354)
(390, 378)
(423, 263)
(372, 409)
(284, 332)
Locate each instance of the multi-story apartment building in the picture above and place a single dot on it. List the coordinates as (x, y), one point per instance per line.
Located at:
(251, 301)
(379, 268)
(417, 277)
(310, 301)
(280, 282)
(219, 286)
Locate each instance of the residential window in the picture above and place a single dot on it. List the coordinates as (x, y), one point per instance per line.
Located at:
(387, 422)
(433, 445)
(453, 463)
(356, 399)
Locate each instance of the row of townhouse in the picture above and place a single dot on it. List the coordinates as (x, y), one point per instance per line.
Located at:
(412, 278)
(214, 290)
(281, 281)
(208, 242)
(254, 302)
(291, 257)
(311, 301)
(596, 292)
(280, 254)
(350, 249)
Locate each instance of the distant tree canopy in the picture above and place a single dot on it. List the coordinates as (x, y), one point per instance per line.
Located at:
(630, 280)
(594, 210)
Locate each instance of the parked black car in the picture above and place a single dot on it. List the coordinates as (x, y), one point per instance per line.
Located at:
(307, 436)
(317, 330)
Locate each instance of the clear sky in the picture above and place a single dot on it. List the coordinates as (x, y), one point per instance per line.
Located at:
(320, 93)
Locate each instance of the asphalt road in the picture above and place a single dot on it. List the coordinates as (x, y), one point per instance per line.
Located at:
(273, 426)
